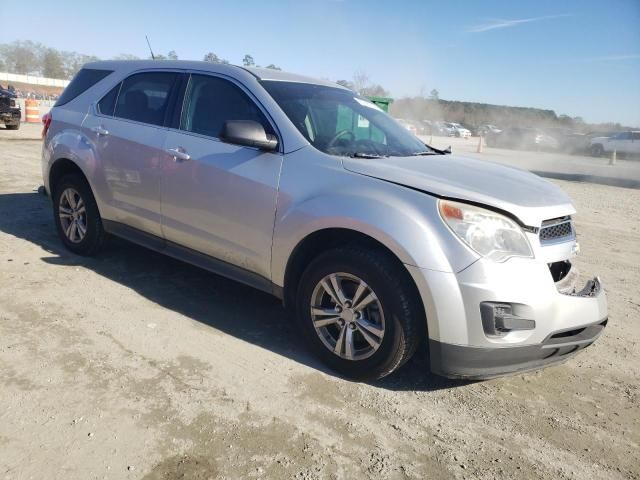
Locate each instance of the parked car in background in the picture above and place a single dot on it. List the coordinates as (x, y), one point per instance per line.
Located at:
(625, 143)
(376, 243)
(443, 129)
(522, 139)
(576, 143)
(459, 130)
(427, 127)
(408, 125)
(484, 130)
(10, 111)
(420, 130)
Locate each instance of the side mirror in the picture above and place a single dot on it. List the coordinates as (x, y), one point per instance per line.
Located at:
(249, 134)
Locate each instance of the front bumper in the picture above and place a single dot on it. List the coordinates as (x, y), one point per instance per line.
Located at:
(458, 361)
(566, 321)
(11, 117)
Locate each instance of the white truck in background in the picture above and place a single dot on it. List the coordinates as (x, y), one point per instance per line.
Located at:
(626, 143)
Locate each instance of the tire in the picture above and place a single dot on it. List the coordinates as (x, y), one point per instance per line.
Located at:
(396, 309)
(12, 127)
(75, 186)
(597, 150)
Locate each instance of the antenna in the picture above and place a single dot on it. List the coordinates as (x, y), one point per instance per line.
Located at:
(152, 56)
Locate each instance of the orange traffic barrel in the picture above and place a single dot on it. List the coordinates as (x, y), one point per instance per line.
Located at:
(32, 111)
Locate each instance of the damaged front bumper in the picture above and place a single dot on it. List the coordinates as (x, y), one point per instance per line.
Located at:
(539, 318)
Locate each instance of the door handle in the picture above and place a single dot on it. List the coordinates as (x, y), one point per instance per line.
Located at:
(100, 130)
(179, 154)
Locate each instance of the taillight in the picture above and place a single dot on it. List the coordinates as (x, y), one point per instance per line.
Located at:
(46, 122)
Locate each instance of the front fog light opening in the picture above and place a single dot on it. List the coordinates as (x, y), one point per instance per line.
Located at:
(498, 319)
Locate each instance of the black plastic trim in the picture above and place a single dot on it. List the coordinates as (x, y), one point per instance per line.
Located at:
(480, 363)
(193, 257)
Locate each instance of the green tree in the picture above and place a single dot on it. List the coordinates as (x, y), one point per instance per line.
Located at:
(172, 55)
(373, 91)
(126, 56)
(434, 95)
(248, 61)
(52, 64)
(211, 57)
(345, 83)
(73, 62)
(273, 67)
(23, 57)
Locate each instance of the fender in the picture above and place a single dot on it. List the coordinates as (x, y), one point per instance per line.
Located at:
(404, 220)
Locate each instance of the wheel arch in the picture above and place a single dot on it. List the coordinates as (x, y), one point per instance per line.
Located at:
(62, 167)
(325, 239)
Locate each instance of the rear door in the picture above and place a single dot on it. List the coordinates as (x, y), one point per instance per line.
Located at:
(222, 200)
(129, 132)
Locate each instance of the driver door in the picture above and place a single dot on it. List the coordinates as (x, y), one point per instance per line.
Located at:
(217, 198)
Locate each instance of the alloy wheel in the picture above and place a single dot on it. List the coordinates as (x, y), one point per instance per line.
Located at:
(347, 316)
(73, 215)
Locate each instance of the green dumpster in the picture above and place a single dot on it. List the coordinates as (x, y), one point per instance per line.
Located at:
(347, 119)
(382, 102)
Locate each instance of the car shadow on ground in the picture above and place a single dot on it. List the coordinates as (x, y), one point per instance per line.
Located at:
(225, 305)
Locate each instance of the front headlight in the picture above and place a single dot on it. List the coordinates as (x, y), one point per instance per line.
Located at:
(490, 234)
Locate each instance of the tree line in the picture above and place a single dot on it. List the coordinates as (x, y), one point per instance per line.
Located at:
(32, 58)
(26, 57)
(474, 114)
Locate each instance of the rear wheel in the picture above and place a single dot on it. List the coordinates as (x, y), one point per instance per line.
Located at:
(12, 127)
(76, 215)
(359, 312)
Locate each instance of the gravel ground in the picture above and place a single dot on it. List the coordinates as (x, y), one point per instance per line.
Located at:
(133, 365)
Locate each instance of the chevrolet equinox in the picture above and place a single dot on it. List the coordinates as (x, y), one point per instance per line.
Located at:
(375, 242)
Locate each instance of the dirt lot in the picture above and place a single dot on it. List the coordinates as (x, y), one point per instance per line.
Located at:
(132, 365)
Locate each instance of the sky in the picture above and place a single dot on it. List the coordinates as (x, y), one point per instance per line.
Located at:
(580, 57)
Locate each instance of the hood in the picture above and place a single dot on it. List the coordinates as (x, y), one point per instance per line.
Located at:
(523, 194)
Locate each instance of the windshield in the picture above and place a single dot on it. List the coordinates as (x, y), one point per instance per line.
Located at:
(339, 122)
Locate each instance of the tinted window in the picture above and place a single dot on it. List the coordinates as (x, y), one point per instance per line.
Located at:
(144, 97)
(108, 102)
(211, 101)
(635, 135)
(84, 79)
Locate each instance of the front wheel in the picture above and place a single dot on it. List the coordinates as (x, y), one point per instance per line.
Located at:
(359, 312)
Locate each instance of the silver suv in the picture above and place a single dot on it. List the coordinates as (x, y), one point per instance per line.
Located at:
(375, 242)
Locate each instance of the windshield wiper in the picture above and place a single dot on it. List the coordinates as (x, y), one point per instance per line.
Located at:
(424, 153)
(365, 155)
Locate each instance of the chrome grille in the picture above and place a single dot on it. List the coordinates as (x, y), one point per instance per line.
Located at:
(557, 230)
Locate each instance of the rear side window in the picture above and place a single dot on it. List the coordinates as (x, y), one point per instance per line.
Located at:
(107, 105)
(84, 80)
(212, 101)
(144, 97)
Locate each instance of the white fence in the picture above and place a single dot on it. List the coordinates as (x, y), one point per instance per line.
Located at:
(6, 77)
(44, 105)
